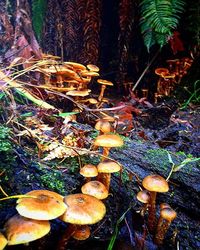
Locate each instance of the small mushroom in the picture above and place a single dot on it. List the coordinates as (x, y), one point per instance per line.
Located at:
(92, 67)
(108, 141)
(167, 215)
(105, 168)
(154, 184)
(96, 189)
(103, 126)
(144, 197)
(89, 171)
(3, 241)
(103, 83)
(82, 233)
(47, 205)
(21, 230)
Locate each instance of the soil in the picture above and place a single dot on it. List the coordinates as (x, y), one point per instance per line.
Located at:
(158, 131)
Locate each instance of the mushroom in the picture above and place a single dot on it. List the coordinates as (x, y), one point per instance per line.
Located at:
(82, 233)
(47, 205)
(89, 171)
(82, 209)
(21, 230)
(96, 189)
(78, 93)
(105, 169)
(89, 74)
(103, 126)
(154, 184)
(144, 197)
(103, 83)
(167, 215)
(75, 66)
(159, 72)
(3, 241)
(92, 67)
(108, 141)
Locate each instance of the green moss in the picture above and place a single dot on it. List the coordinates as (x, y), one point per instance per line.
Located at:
(158, 157)
(53, 180)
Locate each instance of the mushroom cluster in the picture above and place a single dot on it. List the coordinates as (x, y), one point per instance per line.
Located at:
(169, 77)
(36, 208)
(71, 78)
(154, 184)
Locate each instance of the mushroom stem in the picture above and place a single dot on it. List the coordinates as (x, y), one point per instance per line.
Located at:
(152, 212)
(103, 87)
(105, 152)
(144, 209)
(105, 178)
(162, 228)
(167, 215)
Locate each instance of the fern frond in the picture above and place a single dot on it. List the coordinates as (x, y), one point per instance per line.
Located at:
(38, 14)
(160, 18)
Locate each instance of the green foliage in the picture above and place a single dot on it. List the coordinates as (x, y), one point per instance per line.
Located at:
(38, 13)
(114, 236)
(5, 144)
(194, 96)
(159, 19)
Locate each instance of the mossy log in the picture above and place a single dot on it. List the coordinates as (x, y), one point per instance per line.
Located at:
(143, 158)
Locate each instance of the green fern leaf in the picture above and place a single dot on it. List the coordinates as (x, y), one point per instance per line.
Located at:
(38, 13)
(159, 18)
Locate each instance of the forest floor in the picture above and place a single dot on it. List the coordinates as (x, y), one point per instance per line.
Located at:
(157, 135)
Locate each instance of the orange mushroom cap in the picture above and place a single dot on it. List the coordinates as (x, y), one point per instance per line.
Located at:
(103, 126)
(143, 196)
(82, 233)
(108, 166)
(105, 82)
(155, 183)
(96, 189)
(168, 214)
(78, 92)
(47, 205)
(89, 170)
(83, 209)
(109, 141)
(159, 71)
(75, 65)
(93, 67)
(21, 230)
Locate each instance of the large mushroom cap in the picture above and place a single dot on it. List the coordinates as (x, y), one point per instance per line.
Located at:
(108, 166)
(3, 241)
(108, 141)
(96, 189)
(47, 205)
(89, 170)
(20, 230)
(168, 214)
(83, 209)
(155, 183)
